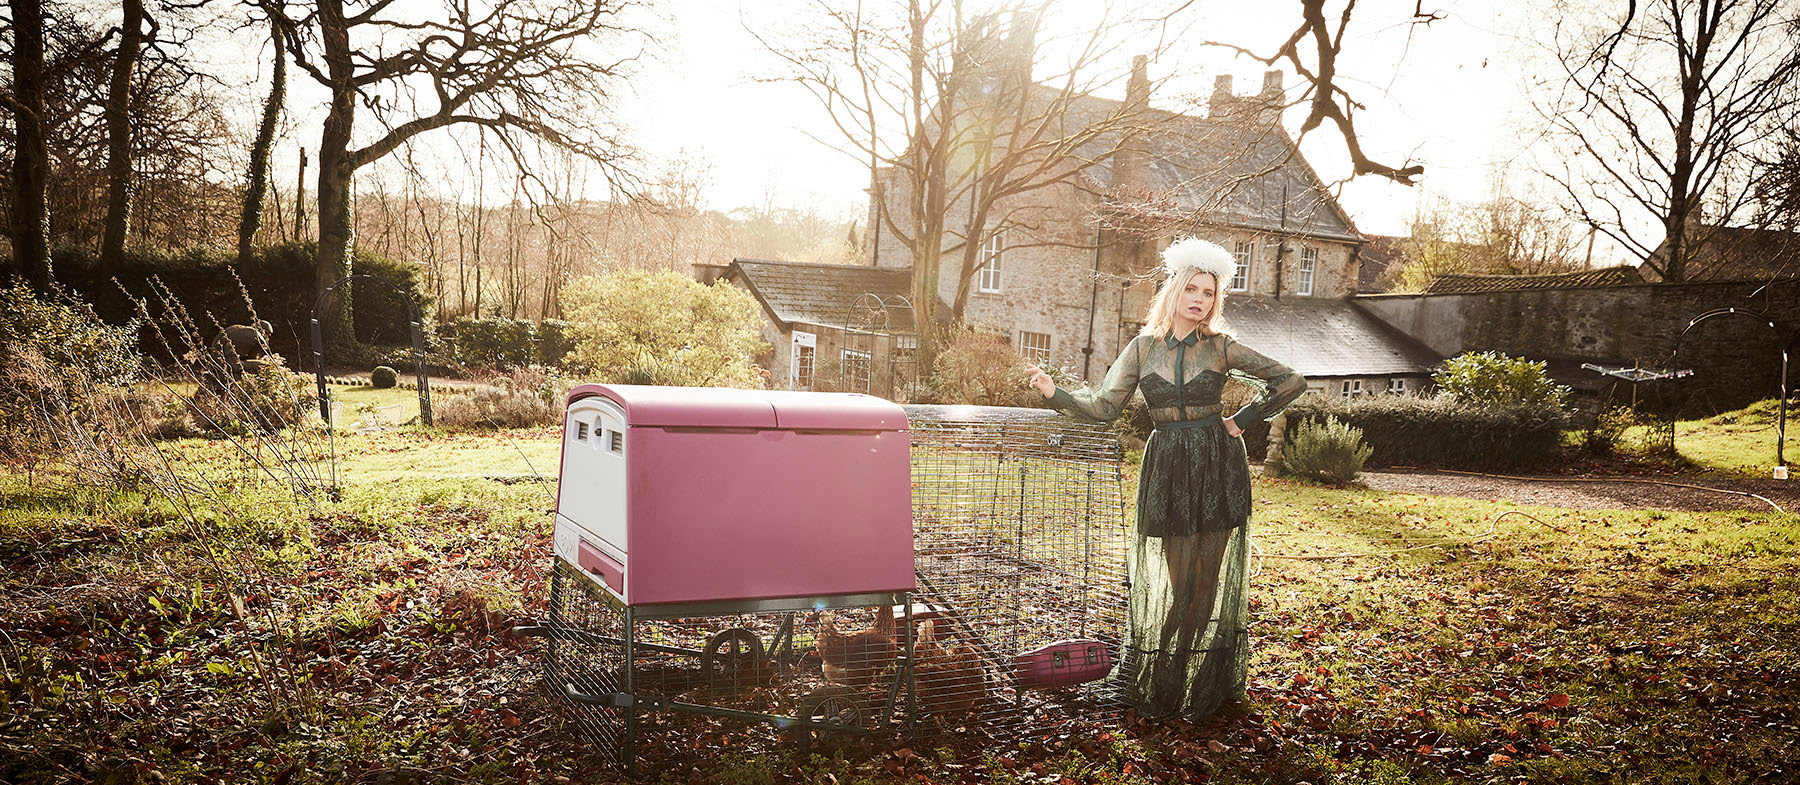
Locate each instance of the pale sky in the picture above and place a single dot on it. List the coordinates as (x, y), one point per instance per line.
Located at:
(1448, 95)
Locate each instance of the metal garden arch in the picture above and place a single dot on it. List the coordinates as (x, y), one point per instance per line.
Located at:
(418, 342)
(1781, 404)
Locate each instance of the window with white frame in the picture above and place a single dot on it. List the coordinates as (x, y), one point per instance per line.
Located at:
(989, 277)
(1035, 347)
(1309, 263)
(1397, 386)
(1240, 278)
(856, 370)
(805, 347)
(1352, 388)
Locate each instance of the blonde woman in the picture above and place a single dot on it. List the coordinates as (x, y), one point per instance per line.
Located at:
(1189, 561)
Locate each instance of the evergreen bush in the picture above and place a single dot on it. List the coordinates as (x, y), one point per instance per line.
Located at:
(278, 280)
(383, 377)
(381, 314)
(1441, 431)
(554, 342)
(1332, 451)
(1495, 379)
(495, 342)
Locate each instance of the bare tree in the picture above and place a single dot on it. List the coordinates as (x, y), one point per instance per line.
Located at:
(1504, 235)
(257, 183)
(24, 98)
(524, 70)
(954, 111)
(1313, 50)
(1663, 106)
(120, 183)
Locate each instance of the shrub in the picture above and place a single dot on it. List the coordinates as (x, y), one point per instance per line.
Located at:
(1495, 379)
(524, 397)
(381, 315)
(1607, 433)
(493, 343)
(383, 377)
(1332, 451)
(54, 351)
(650, 369)
(1441, 430)
(554, 342)
(707, 333)
(982, 369)
(488, 406)
(265, 401)
(278, 280)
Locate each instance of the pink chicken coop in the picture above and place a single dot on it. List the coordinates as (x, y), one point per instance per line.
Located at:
(678, 503)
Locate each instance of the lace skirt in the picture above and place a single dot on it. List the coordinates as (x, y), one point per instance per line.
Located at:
(1189, 567)
(1195, 478)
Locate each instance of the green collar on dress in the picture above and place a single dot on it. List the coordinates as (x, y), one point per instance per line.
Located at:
(1192, 338)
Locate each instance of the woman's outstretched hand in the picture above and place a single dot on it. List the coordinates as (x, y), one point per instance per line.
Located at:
(1040, 381)
(1232, 429)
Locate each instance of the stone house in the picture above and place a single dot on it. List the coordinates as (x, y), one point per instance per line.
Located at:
(1067, 284)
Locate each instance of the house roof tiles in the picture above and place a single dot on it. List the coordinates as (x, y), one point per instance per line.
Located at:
(1463, 283)
(830, 295)
(1730, 253)
(1222, 170)
(1325, 337)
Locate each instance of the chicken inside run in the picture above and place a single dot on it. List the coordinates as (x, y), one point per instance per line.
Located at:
(1014, 620)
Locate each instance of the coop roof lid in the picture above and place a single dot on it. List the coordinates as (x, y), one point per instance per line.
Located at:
(714, 407)
(835, 411)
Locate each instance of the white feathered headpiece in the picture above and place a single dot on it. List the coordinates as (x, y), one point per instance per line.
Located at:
(1191, 254)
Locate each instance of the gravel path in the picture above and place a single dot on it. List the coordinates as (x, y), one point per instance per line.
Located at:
(1597, 493)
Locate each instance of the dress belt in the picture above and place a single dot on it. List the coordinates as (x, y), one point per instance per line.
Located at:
(1201, 423)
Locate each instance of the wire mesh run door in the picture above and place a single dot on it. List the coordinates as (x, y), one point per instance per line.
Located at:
(1019, 548)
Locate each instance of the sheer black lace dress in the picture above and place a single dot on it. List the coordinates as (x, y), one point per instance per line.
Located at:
(1190, 556)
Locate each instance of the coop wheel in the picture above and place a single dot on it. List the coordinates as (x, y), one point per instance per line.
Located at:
(841, 706)
(732, 659)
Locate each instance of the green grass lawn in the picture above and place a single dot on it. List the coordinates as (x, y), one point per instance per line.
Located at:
(1740, 442)
(233, 633)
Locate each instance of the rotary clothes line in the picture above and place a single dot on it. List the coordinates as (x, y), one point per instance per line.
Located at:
(1189, 564)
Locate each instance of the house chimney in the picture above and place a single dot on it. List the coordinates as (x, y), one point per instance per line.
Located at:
(1021, 45)
(1271, 100)
(1137, 91)
(1272, 84)
(1132, 164)
(1220, 106)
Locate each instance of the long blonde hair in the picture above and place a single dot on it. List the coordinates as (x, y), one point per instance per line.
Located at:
(1181, 261)
(1159, 320)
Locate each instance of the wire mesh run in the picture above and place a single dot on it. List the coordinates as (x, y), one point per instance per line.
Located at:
(723, 681)
(1017, 622)
(1019, 546)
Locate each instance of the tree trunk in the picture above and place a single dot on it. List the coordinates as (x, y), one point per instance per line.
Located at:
(119, 185)
(31, 155)
(258, 186)
(927, 222)
(336, 164)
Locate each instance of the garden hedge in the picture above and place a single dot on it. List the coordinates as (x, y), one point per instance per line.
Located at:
(1439, 431)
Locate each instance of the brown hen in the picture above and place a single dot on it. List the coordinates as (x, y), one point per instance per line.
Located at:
(948, 681)
(855, 659)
